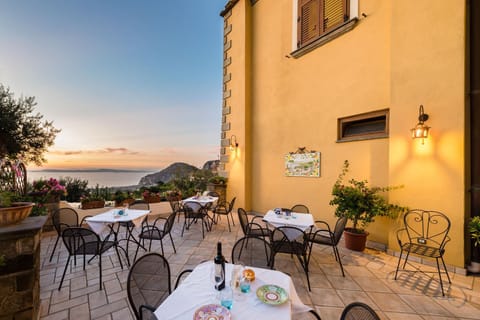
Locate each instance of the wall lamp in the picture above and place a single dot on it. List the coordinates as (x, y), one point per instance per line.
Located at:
(421, 130)
(233, 143)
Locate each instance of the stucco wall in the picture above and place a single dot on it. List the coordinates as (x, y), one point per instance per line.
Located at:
(395, 58)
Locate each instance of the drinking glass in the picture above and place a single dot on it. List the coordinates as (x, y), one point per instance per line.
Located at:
(226, 297)
(217, 278)
(245, 285)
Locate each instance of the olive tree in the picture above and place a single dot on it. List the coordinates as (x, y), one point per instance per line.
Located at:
(24, 134)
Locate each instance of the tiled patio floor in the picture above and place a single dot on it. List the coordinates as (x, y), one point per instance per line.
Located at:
(368, 278)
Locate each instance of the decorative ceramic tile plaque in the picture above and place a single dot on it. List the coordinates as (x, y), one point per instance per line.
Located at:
(305, 164)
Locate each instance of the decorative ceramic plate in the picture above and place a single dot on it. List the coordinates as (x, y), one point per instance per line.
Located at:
(212, 312)
(272, 294)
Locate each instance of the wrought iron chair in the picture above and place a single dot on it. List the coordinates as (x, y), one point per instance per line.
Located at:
(300, 208)
(135, 205)
(180, 277)
(324, 235)
(156, 231)
(359, 311)
(177, 207)
(253, 251)
(148, 284)
(293, 241)
(315, 314)
(82, 242)
(425, 234)
(224, 208)
(64, 218)
(194, 211)
(250, 227)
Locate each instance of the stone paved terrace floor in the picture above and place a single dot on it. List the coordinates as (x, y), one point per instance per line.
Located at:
(368, 278)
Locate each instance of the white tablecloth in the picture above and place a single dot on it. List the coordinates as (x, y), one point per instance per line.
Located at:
(302, 221)
(198, 290)
(101, 221)
(203, 200)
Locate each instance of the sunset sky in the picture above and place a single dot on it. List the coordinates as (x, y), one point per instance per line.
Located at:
(131, 84)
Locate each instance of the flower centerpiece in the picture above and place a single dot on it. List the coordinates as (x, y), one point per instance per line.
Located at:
(360, 203)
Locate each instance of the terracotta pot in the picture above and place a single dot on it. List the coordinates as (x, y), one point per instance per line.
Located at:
(152, 199)
(93, 204)
(353, 240)
(16, 213)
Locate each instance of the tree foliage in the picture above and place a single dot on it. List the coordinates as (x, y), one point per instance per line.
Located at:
(24, 134)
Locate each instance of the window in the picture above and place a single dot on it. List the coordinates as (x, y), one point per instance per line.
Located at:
(371, 125)
(317, 17)
(319, 21)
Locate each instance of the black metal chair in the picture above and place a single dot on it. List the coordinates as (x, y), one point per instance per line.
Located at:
(250, 227)
(82, 242)
(148, 284)
(177, 207)
(359, 311)
(315, 314)
(293, 241)
(300, 208)
(181, 276)
(224, 208)
(194, 211)
(157, 231)
(425, 234)
(64, 218)
(324, 235)
(253, 251)
(135, 205)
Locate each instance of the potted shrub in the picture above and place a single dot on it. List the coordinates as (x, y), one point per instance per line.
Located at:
(12, 211)
(151, 197)
(360, 203)
(474, 230)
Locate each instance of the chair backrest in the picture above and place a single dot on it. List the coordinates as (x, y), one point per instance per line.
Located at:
(358, 310)
(339, 227)
(167, 227)
(148, 282)
(427, 227)
(192, 208)
(79, 241)
(289, 240)
(300, 208)
(63, 218)
(139, 205)
(243, 218)
(232, 203)
(176, 206)
(252, 251)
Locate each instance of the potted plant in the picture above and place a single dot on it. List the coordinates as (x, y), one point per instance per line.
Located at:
(474, 230)
(360, 203)
(11, 210)
(151, 197)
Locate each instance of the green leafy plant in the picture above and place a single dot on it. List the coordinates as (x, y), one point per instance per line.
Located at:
(361, 203)
(23, 134)
(474, 229)
(218, 180)
(6, 198)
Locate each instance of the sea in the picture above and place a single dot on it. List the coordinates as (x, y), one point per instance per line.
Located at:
(115, 178)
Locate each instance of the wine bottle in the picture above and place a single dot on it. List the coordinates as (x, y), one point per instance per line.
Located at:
(219, 262)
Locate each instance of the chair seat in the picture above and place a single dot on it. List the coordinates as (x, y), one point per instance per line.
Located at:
(259, 232)
(152, 234)
(320, 238)
(422, 250)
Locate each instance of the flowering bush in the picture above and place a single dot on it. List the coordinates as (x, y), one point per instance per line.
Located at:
(50, 187)
(148, 193)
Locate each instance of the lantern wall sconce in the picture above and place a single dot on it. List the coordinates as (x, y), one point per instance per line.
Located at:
(421, 130)
(233, 143)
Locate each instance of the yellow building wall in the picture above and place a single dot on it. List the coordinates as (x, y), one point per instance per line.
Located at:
(384, 62)
(428, 67)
